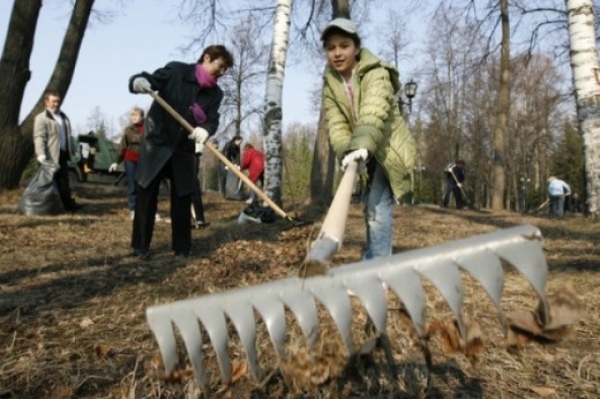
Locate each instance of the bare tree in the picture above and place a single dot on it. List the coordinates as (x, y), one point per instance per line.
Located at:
(393, 38)
(502, 112)
(16, 140)
(250, 55)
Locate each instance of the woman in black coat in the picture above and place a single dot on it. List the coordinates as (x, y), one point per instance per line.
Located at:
(167, 148)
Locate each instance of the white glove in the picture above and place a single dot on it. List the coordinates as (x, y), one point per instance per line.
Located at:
(357, 156)
(141, 85)
(199, 135)
(41, 158)
(459, 185)
(113, 167)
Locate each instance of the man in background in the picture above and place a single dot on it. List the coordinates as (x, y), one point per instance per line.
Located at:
(455, 175)
(558, 190)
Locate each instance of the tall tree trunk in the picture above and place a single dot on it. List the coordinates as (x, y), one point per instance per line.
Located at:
(322, 172)
(323, 165)
(273, 114)
(503, 106)
(16, 146)
(586, 77)
(15, 150)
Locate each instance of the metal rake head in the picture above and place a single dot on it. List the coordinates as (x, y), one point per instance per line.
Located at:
(481, 256)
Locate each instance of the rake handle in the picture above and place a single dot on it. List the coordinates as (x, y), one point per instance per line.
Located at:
(331, 236)
(220, 156)
(459, 186)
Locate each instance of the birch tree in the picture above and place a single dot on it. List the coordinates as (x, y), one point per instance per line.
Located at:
(586, 78)
(273, 100)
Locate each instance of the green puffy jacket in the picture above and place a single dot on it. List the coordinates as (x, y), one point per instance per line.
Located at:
(377, 125)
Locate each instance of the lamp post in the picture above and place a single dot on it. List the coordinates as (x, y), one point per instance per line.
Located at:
(410, 91)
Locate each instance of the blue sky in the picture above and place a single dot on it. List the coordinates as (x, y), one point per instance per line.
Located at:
(142, 36)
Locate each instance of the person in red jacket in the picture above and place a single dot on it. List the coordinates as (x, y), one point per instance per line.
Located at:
(254, 161)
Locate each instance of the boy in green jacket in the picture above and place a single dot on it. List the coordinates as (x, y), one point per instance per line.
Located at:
(365, 126)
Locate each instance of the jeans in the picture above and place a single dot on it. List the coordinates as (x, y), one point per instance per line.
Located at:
(130, 168)
(378, 201)
(452, 188)
(557, 204)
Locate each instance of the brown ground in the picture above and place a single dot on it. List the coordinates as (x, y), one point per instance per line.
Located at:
(72, 308)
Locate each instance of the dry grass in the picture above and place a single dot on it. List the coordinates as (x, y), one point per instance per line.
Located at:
(72, 308)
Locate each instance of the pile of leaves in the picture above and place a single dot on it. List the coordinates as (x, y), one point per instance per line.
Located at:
(72, 309)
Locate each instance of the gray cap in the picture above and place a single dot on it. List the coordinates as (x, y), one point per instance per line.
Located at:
(341, 23)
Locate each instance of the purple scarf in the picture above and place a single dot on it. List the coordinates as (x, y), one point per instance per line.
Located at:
(204, 80)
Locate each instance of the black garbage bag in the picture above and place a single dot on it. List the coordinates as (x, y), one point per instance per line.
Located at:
(256, 213)
(41, 197)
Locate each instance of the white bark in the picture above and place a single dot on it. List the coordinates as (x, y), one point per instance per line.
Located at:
(586, 75)
(273, 99)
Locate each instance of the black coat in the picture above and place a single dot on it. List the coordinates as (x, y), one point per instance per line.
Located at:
(232, 152)
(164, 138)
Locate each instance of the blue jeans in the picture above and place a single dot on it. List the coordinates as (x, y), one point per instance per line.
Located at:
(378, 201)
(130, 168)
(557, 205)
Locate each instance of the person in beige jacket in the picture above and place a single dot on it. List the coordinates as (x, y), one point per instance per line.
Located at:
(52, 142)
(365, 126)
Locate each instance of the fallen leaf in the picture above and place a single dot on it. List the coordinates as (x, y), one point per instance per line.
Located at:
(238, 370)
(524, 327)
(474, 342)
(564, 308)
(103, 350)
(61, 392)
(451, 340)
(449, 336)
(86, 322)
(543, 391)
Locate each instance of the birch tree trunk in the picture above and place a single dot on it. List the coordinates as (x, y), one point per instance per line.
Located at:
(273, 96)
(502, 108)
(586, 78)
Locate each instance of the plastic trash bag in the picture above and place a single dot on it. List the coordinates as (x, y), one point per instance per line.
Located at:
(233, 186)
(41, 197)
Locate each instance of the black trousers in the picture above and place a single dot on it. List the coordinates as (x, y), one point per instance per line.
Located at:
(458, 198)
(145, 215)
(61, 177)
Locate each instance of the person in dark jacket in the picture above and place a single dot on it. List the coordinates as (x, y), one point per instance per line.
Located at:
(167, 148)
(231, 150)
(455, 176)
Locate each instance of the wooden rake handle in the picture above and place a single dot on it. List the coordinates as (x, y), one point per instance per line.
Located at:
(331, 236)
(221, 157)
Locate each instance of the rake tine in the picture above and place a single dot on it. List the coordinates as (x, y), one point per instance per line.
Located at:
(243, 319)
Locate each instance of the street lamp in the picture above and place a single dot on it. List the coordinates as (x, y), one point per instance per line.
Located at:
(410, 91)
